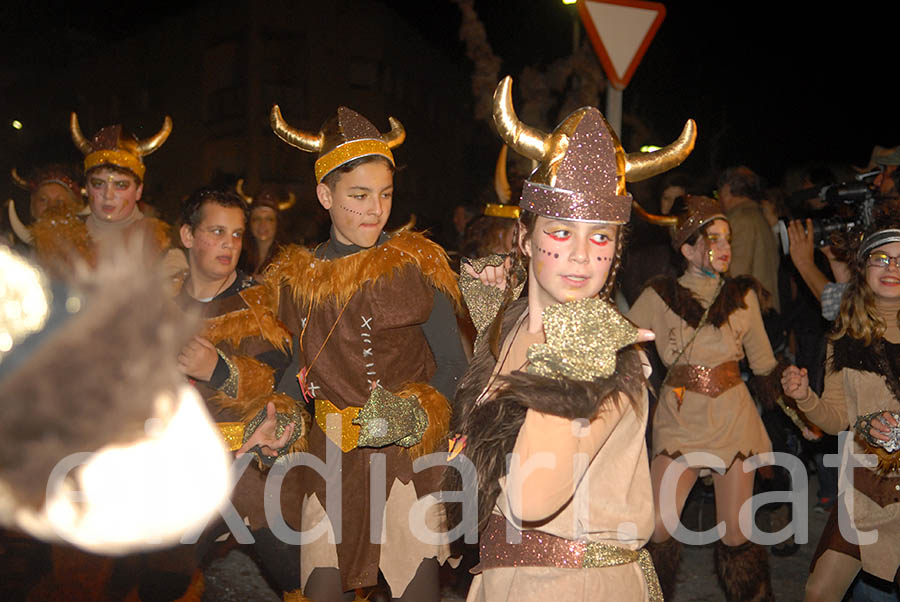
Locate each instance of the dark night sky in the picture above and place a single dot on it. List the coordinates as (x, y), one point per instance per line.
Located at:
(768, 85)
(771, 84)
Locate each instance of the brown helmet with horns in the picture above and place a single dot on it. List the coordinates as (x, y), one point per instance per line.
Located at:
(343, 138)
(112, 145)
(582, 167)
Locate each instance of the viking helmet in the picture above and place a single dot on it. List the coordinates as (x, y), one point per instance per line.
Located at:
(503, 207)
(265, 198)
(701, 210)
(112, 145)
(582, 167)
(343, 138)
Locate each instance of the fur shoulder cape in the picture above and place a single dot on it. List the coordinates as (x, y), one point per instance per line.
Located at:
(731, 298)
(491, 427)
(313, 280)
(854, 354)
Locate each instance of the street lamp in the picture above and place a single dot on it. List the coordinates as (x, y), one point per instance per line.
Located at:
(17, 125)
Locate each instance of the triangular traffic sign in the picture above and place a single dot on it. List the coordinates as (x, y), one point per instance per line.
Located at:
(621, 32)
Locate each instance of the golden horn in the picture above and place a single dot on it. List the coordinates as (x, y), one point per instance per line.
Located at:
(656, 220)
(397, 135)
(640, 166)
(82, 143)
(501, 182)
(18, 227)
(239, 188)
(296, 138)
(291, 200)
(524, 139)
(147, 146)
(19, 180)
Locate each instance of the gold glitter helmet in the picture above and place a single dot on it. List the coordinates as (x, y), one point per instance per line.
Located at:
(112, 145)
(343, 138)
(700, 211)
(63, 175)
(583, 168)
(265, 198)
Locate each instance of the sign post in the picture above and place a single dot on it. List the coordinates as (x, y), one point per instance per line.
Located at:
(621, 32)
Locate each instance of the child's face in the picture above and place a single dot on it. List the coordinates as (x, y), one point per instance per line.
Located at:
(359, 203)
(569, 260)
(112, 195)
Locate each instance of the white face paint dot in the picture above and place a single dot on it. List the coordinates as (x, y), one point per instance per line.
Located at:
(581, 427)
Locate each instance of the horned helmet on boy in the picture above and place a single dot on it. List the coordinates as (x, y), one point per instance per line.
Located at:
(114, 167)
(354, 171)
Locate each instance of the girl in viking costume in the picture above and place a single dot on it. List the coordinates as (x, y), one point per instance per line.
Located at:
(262, 239)
(862, 391)
(379, 353)
(114, 172)
(705, 324)
(556, 379)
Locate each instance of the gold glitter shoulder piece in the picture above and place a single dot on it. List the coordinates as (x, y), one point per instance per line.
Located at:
(582, 338)
(484, 301)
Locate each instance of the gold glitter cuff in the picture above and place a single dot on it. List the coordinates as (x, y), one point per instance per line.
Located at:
(118, 158)
(230, 386)
(484, 301)
(347, 437)
(539, 549)
(390, 419)
(582, 339)
(233, 433)
(711, 382)
(348, 152)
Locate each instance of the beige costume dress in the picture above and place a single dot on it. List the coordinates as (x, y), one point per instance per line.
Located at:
(858, 383)
(716, 413)
(605, 498)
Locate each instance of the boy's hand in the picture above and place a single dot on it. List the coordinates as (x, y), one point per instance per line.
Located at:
(198, 359)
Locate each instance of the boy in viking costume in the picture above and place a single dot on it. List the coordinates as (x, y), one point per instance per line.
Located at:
(556, 379)
(114, 173)
(379, 347)
(705, 323)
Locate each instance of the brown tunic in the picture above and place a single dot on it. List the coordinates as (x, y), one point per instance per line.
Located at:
(727, 426)
(241, 323)
(360, 321)
(848, 394)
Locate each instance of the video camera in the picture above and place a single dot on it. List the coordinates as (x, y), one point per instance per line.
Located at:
(860, 194)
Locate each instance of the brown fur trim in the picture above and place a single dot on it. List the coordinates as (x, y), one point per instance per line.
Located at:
(60, 237)
(313, 280)
(767, 388)
(437, 408)
(295, 596)
(159, 231)
(257, 319)
(888, 462)
(492, 427)
(666, 557)
(731, 298)
(256, 380)
(743, 572)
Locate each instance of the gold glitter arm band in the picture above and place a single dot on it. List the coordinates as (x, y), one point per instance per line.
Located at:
(390, 419)
(230, 386)
(484, 301)
(582, 339)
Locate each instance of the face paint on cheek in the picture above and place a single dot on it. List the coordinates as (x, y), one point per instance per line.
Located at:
(349, 210)
(552, 254)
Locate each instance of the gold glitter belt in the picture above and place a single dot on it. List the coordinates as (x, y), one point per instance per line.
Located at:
(711, 382)
(233, 433)
(348, 436)
(539, 549)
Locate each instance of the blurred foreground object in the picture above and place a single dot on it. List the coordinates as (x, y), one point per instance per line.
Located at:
(102, 442)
